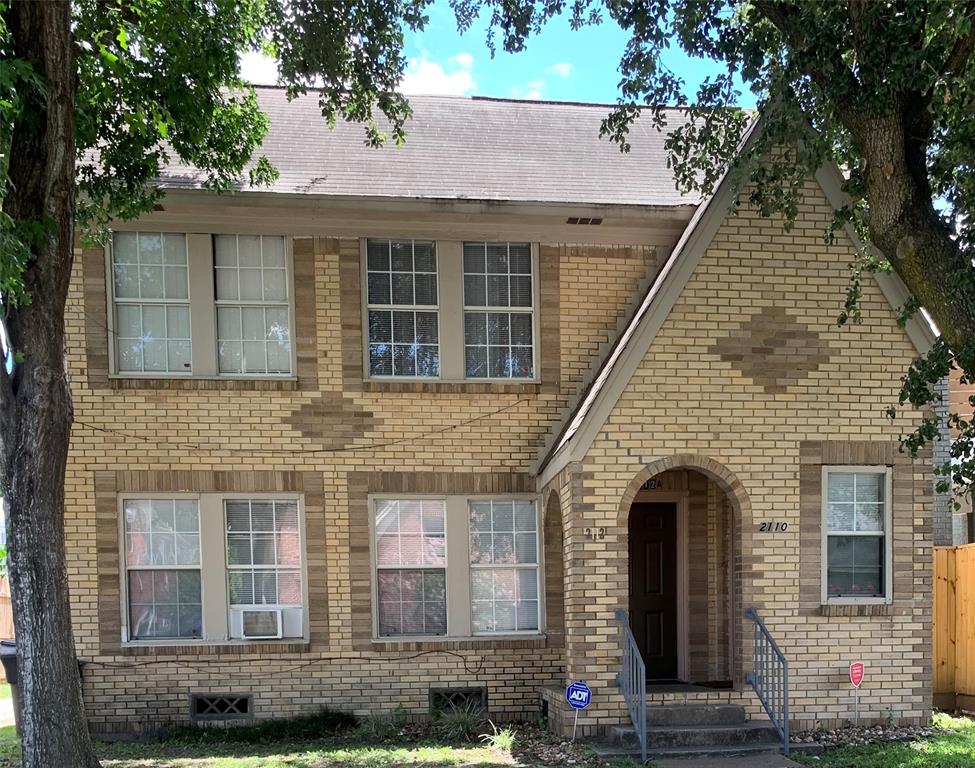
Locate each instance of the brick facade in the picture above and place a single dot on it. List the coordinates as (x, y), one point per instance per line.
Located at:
(704, 399)
(706, 411)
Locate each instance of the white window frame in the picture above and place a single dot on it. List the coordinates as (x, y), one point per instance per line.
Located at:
(203, 310)
(887, 473)
(458, 568)
(450, 313)
(213, 569)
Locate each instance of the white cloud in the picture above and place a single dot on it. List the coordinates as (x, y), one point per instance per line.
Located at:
(532, 90)
(463, 60)
(562, 69)
(427, 77)
(258, 69)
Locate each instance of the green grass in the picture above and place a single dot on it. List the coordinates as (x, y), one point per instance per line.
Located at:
(953, 749)
(190, 751)
(4, 692)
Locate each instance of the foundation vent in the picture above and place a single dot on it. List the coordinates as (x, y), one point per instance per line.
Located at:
(584, 221)
(445, 700)
(212, 707)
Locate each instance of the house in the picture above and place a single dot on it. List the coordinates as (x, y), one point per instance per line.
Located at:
(412, 425)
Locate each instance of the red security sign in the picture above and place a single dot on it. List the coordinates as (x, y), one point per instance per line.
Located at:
(856, 673)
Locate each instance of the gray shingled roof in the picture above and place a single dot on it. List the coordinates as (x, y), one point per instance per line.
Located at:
(466, 148)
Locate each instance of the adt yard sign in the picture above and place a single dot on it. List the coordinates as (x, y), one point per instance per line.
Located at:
(578, 695)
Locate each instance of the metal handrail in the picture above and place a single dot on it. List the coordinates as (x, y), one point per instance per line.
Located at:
(632, 680)
(770, 678)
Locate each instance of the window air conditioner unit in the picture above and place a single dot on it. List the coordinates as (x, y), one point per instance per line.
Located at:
(256, 623)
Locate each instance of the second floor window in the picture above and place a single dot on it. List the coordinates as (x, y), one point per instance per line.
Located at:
(450, 310)
(401, 291)
(152, 303)
(201, 305)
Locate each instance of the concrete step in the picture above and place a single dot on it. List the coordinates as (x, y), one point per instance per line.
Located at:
(697, 736)
(695, 714)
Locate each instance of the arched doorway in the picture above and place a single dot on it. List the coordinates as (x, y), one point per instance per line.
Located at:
(683, 520)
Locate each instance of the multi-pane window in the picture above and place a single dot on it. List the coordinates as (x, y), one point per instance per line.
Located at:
(489, 584)
(162, 562)
(856, 502)
(253, 314)
(403, 317)
(235, 288)
(411, 559)
(241, 556)
(152, 303)
(498, 311)
(263, 552)
(504, 566)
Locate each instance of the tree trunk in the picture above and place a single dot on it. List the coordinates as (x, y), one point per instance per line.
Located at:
(905, 227)
(35, 405)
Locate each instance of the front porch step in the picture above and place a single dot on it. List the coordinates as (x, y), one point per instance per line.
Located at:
(670, 737)
(695, 714)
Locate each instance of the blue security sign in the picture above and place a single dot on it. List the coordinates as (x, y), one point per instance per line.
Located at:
(578, 695)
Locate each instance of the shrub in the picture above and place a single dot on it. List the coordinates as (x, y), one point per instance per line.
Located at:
(381, 727)
(462, 723)
(502, 739)
(325, 722)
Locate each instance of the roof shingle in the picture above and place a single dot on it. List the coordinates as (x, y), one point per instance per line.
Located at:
(466, 148)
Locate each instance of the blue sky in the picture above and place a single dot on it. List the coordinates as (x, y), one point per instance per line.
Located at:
(559, 64)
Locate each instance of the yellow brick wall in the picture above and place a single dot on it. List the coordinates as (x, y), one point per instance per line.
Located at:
(685, 399)
(161, 429)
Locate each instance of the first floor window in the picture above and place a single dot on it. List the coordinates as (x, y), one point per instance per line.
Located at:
(162, 560)
(411, 577)
(857, 515)
(263, 552)
(504, 566)
(244, 554)
(456, 566)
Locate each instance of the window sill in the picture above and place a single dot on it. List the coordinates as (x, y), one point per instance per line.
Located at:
(875, 608)
(228, 648)
(453, 387)
(200, 383)
(400, 644)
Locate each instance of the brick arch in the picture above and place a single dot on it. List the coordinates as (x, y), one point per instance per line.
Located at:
(741, 511)
(723, 476)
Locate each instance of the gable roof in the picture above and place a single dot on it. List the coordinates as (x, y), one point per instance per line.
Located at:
(465, 149)
(575, 432)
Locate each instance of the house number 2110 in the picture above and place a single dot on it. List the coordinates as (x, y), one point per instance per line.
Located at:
(595, 533)
(773, 527)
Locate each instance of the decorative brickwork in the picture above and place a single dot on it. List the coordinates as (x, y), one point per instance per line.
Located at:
(772, 349)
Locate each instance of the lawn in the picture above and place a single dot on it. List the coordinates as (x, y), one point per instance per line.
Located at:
(286, 754)
(955, 748)
(328, 741)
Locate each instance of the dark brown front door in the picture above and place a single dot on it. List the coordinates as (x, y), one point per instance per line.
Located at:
(653, 586)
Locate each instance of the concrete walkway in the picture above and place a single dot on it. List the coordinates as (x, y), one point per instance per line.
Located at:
(746, 761)
(6, 712)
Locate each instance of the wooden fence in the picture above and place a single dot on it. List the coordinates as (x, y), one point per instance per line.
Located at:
(954, 628)
(6, 612)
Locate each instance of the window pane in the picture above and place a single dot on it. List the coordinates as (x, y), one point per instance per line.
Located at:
(412, 602)
(840, 486)
(410, 532)
(504, 599)
(164, 603)
(869, 487)
(855, 566)
(265, 534)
